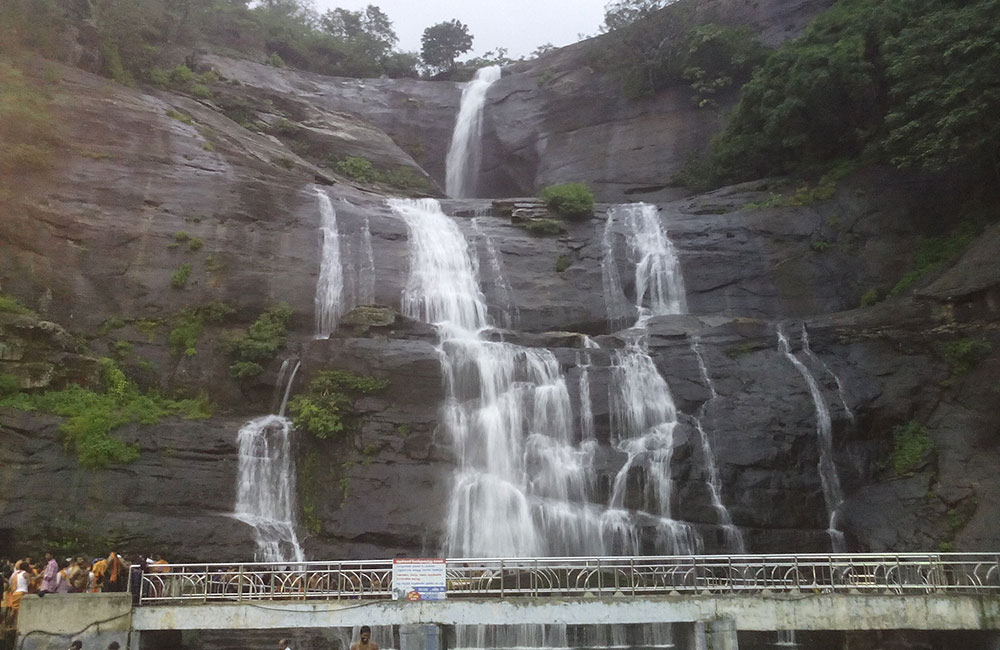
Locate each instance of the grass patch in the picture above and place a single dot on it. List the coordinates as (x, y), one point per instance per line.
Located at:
(184, 118)
(11, 305)
(571, 200)
(869, 298)
(28, 133)
(181, 276)
(188, 324)
(934, 252)
(92, 415)
(364, 171)
(964, 354)
(563, 262)
(910, 445)
(544, 227)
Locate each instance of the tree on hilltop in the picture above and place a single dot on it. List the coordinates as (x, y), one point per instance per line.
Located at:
(442, 43)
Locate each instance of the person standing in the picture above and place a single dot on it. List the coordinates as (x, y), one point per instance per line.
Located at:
(50, 575)
(18, 587)
(365, 643)
(283, 645)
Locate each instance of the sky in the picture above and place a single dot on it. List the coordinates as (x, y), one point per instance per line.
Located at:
(518, 25)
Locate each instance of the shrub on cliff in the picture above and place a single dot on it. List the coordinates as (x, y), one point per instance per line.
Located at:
(571, 200)
(327, 407)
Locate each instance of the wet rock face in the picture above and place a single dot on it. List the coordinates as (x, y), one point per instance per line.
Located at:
(99, 238)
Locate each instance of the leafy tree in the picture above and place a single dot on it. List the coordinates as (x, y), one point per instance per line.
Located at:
(622, 13)
(442, 43)
(944, 89)
(369, 32)
(910, 82)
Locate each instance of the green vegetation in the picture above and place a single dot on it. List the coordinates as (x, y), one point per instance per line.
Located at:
(183, 118)
(869, 298)
(327, 406)
(964, 354)
(650, 49)
(442, 43)
(363, 171)
(910, 445)
(195, 244)
(307, 492)
(93, 415)
(571, 200)
(181, 276)
(12, 306)
(28, 132)
(283, 161)
(9, 384)
(819, 245)
(563, 262)
(181, 78)
(543, 227)
(935, 252)
(259, 344)
(908, 82)
(188, 324)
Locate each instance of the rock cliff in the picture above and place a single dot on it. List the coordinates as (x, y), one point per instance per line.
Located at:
(93, 244)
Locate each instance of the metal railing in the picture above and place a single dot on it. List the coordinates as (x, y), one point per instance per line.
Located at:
(908, 573)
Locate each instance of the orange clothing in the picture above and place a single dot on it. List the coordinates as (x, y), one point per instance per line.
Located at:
(14, 600)
(100, 567)
(160, 567)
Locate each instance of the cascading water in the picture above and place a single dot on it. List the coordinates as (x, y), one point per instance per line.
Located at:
(732, 537)
(840, 387)
(830, 482)
(508, 316)
(265, 497)
(366, 269)
(330, 285)
(464, 154)
(659, 284)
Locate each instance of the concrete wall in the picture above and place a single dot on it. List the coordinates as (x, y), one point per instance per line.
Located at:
(804, 611)
(53, 621)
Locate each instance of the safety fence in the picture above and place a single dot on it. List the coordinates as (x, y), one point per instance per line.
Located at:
(909, 573)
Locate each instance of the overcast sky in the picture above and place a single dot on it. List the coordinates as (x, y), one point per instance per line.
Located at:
(518, 25)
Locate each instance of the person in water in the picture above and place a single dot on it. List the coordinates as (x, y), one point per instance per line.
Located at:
(365, 643)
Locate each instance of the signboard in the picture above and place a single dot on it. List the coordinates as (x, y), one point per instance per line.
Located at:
(418, 579)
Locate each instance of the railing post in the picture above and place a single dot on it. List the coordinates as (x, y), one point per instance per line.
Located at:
(239, 583)
(600, 577)
(206, 582)
(501, 579)
(632, 576)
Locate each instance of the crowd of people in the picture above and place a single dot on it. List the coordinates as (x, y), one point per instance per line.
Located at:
(66, 576)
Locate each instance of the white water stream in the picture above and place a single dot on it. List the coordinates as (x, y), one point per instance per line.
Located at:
(330, 285)
(465, 153)
(265, 497)
(829, 481)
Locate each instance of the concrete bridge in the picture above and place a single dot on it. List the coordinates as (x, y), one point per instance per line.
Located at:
(713, 596)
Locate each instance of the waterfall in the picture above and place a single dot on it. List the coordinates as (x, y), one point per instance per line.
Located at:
(732, 537)
(614, 297)
(659, 283)
(330, 285)
(366, 269)
(265, 496)
(840, 387)
(464, 154)
(509, 316)
(643, 422)
(829, 481)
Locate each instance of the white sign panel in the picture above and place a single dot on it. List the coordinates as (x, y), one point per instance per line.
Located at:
(418, 579)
